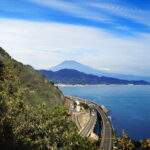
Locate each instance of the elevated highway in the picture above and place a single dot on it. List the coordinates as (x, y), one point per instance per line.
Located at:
(106, 132)
(107, 129)
(90, 125)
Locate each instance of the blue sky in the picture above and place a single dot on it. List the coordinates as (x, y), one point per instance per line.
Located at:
(111, 35)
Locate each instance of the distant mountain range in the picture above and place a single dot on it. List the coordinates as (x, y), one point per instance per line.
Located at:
(88, 70)
(70, 76)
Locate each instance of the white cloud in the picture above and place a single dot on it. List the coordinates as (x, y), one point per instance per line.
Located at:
(135, 14)
(76, 9)
(102, 11)
(105, 69)
(46, 44)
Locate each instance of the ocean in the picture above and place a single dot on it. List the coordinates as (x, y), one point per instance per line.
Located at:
(129, 106)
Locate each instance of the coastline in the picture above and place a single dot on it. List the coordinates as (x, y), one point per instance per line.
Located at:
(88, 85)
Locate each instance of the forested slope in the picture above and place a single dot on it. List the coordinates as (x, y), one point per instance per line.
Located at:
(40, 89)
(32, 116)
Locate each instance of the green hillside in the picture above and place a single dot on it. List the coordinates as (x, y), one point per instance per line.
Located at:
(32, 116)
(40, 89)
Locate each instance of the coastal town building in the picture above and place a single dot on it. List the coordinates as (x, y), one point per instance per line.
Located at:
(78, 106)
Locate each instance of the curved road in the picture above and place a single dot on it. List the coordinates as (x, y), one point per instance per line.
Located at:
(87, 129)
(77, 123)
(107, 131)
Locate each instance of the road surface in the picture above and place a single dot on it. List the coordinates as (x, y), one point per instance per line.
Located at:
(89, 126)
(107, 131)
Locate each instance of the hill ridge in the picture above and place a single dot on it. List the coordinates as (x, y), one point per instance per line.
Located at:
(71, 64)
(72, 76)
(40, 89)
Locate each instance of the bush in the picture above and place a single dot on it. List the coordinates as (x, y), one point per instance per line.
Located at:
(24, 126)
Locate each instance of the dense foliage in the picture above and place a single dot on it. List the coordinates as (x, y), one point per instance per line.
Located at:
(125, 143)
(40, 89)
(24, 126)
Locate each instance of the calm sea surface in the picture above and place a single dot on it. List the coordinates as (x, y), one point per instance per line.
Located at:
(129, 106)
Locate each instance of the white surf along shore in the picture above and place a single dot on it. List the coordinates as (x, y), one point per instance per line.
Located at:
(85, 85)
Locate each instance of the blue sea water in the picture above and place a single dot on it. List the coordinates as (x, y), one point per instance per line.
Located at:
(129, 106)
